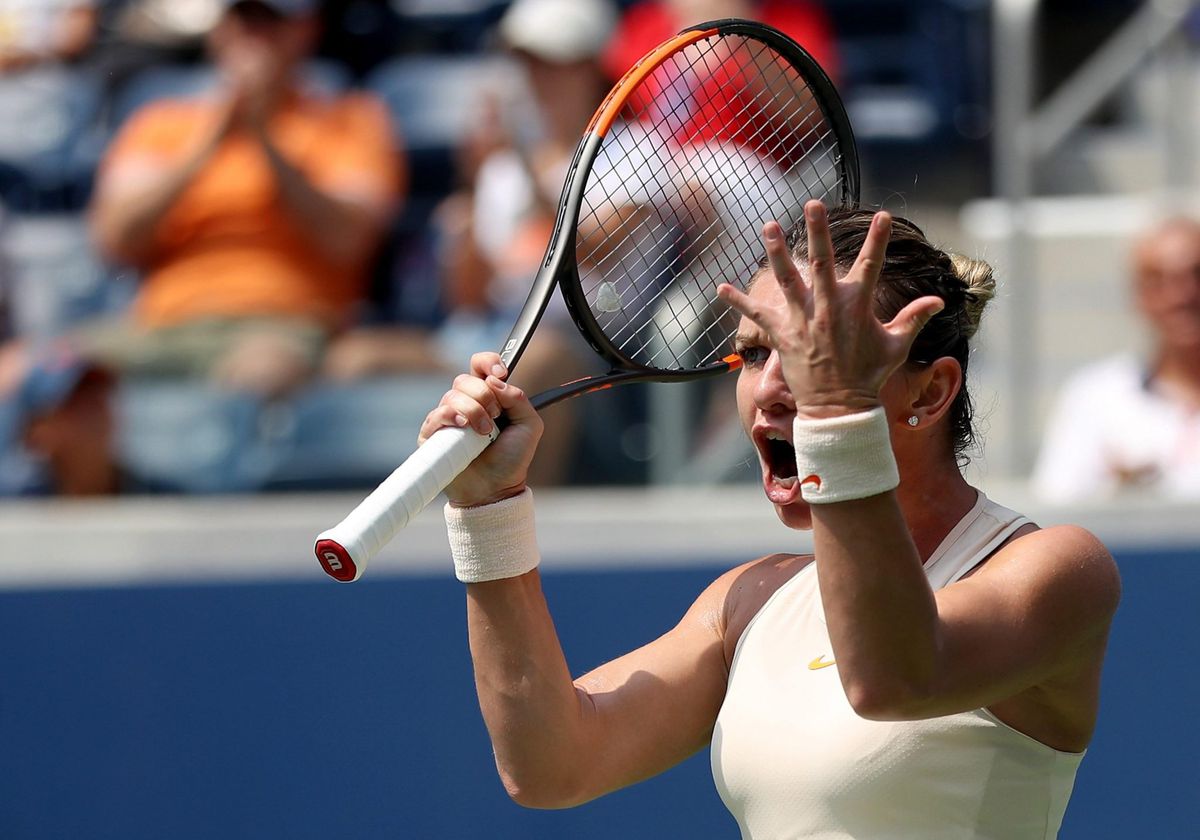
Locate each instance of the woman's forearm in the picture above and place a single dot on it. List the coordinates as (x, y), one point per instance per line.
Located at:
(879, 607)
(532, 709)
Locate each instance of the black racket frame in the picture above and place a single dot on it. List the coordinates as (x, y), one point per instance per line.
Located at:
(559, 267)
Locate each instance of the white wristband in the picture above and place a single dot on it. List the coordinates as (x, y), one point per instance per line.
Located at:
(493, 541)
(844, 458)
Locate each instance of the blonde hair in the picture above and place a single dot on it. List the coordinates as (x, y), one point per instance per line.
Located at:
(980, 282)
(913, 268)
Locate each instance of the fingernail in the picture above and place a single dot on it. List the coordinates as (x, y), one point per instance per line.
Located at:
(498, 371)
(498, 384)
(771, 233)
(815, 210)
(459, 420)
(485, 427)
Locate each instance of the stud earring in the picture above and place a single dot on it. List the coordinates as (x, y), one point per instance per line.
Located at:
(913, 420)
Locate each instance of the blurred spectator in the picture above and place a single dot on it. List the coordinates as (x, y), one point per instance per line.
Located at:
(136, 35)
(1127, 424)
(494, 232)
(48, 101)
(49, 31)
(360, 34)
(645, 24)
(252, 216)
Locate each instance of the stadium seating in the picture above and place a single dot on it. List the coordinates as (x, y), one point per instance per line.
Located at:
(48, 142)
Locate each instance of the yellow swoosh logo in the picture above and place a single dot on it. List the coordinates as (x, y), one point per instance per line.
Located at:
(819, 663)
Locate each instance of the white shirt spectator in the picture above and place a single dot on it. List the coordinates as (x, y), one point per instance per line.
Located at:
(1112, 430)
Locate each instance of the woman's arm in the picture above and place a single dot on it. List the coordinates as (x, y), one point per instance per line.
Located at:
(559, 742)
(1038, 611)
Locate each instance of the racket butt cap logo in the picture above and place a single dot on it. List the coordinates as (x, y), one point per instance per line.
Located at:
(336, 561)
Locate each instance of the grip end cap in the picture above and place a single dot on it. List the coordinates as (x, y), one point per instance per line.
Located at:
(336, 561)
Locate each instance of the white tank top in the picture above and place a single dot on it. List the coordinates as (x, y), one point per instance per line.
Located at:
(791, 759)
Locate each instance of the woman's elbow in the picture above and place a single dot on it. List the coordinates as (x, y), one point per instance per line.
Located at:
(545, 792)
(887, 702)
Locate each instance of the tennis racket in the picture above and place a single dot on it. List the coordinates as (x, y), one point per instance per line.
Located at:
(720, 129)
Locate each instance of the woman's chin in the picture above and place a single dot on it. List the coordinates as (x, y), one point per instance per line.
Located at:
(796, 515)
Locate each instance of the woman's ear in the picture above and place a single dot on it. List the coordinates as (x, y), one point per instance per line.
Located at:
(932, 390)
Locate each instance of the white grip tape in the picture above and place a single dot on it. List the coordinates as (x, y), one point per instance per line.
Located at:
(406, 492)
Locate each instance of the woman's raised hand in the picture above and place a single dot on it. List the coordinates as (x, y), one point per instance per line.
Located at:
(476, 400)
(835, 353)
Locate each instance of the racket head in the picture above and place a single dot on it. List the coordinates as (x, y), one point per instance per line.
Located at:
(720, 129)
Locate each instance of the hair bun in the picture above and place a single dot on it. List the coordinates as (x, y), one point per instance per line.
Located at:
(979, 282)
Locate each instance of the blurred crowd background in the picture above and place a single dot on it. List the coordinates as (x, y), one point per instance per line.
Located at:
(245, 245)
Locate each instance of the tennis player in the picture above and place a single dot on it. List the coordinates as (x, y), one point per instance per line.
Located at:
(931, 671)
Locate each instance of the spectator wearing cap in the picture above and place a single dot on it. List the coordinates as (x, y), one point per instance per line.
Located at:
(252, 216)
(494, 232)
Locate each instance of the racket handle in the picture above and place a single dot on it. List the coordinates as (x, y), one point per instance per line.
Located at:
(345, 549)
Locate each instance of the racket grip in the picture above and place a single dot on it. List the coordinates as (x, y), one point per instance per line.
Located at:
(345, 549)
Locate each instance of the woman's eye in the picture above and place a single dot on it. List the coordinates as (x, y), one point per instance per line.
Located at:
(753, 354)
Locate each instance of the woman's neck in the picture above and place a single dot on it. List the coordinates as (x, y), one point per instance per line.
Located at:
(933, 502)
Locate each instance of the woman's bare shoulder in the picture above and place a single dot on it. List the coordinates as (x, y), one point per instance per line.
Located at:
(1060, 565)
(742, 591)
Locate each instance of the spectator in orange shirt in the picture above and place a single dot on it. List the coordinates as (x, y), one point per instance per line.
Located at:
(252, 216)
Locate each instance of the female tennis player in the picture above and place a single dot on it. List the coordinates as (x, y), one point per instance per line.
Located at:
(931, 670)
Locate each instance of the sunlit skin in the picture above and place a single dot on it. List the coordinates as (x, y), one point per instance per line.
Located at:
(766, 408)
(1024, 635)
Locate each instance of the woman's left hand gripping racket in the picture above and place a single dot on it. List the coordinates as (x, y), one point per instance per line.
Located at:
(724, 127)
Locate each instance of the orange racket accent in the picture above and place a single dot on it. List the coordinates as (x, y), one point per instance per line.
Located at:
(734, 361)
(612, 104)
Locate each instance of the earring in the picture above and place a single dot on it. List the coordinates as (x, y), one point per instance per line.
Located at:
(913, 420)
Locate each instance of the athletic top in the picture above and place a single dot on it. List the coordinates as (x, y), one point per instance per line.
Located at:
(791, 759)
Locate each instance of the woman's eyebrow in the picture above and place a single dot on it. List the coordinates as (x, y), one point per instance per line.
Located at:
(748, 337)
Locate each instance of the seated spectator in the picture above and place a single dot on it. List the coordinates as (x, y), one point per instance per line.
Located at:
(252, 216)
(1130, 424)
(646, 24)
(494, 232)
(720, 102)
(136, 35)
(50, 32)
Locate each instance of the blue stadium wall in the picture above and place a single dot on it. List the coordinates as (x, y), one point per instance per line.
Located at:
(300, 710)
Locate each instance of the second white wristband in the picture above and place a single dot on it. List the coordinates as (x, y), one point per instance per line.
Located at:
(493, 541)
(844, 458)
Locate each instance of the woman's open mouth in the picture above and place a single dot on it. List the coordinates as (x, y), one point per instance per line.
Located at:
(778, 459)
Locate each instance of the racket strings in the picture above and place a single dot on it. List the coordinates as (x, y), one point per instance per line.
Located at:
(718, 139)
(697, 303)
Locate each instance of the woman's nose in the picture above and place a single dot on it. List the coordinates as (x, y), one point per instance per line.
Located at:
(771, 392)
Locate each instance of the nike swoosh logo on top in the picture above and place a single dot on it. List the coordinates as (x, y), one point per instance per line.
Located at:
(813, 479)
(819, 663)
